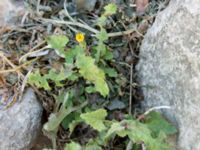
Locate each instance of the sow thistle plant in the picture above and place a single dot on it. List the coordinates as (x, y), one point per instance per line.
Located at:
(92, 66)
(85, 64)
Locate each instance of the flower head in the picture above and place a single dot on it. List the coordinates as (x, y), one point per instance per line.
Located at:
(80, 37)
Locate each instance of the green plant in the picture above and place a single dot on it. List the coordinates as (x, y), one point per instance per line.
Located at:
(91, 71)
(76, 58)
(152, 132)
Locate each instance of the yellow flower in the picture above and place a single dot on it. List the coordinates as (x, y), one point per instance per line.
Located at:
(80, 37)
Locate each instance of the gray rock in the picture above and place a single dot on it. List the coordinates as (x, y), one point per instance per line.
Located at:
(20, 124)
(169, 68)
(11, 10)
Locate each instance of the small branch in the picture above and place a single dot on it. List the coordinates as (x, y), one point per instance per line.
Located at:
(69, 23)
(131, 82)
(87, 27)
(131, 89)
(24, 82)
(67, 13)
(156, 108)
(23, 58)
(17, 68)
(114, 34)
(11, 64)
(38, 7)
(38, 45)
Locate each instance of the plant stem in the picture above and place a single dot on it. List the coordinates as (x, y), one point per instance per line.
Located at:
(69, 23)
(87, 27)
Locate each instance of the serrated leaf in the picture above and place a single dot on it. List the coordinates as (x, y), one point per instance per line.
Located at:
(92, 73)
(110, 9)
(71, 54)
(69, 119)
(73, 146)
(141, 133)
(35, 78)
(156, 123)
(101, 47)
(108, 55)
(90, 89)
(92, 147)
(58, 76)
(40, 81)
(58, 42)
(95, 119)
(93, 144)
(101, 50)
(111, 72)
(102, 35)
(101, 21)
(138, 133)
(116, 128)
(73, 77)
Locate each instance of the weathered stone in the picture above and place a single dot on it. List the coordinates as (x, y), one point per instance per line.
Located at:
(10, 11)
(169, 68)
(20, 124)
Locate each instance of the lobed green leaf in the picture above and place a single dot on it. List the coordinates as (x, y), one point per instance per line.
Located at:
(156, 123)
(110, 9)
(92, 73)
(95, 119)
(58, 42)
(73, 146)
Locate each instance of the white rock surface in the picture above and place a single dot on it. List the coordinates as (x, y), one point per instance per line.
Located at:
(20, 124)
(10, 10)
(169, 68)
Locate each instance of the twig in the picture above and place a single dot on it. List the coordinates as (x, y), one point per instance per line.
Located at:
(7, 60)
(87, 27)
(24, 18)
(124, 64)
(24, 82)
(131, 82)
(11, 64)
(66, 11)
(73, 29)
(37, 46)
(16, 68)
(156, 108)
(70, 18)
(69, 23)
(38, 6)
(31, 53)
(131, 89)
(114, 34)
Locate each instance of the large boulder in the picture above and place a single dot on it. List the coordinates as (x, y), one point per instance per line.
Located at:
(169, 68)
(21, 123)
